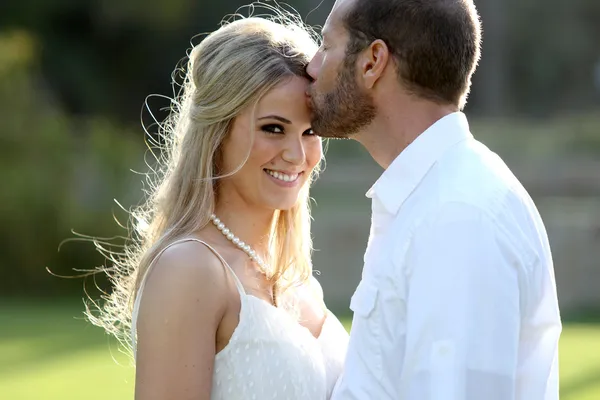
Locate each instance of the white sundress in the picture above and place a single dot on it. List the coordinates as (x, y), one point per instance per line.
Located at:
(270, 355)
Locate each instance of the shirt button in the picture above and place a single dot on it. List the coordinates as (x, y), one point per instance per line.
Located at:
(443, 351)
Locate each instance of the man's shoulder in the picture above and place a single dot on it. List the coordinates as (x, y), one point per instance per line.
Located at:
(473, 174)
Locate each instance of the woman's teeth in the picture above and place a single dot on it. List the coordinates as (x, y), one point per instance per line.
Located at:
(281, 176)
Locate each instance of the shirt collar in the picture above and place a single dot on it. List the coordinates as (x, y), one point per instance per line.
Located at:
(408, 169)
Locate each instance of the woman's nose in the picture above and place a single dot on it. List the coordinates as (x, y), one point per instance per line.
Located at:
(294, 152)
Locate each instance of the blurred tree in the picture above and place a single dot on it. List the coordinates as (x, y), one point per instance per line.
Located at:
(58, 173)
(74, 75)
(106, 56)
(492, 72)
(552, 48)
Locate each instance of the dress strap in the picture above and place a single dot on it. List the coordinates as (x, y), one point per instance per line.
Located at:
(238, 283)
(137, 302)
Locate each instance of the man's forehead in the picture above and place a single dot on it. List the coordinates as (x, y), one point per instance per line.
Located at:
(334, 20)
(342, 7)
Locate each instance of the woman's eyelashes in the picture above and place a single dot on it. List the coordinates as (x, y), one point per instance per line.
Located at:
(273, 129)
(276, 129)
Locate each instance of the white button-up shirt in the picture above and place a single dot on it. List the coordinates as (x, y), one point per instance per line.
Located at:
(458, 298)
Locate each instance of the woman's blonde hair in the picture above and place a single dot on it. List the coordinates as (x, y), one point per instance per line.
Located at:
(230, 70)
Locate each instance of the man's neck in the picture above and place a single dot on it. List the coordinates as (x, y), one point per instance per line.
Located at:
(395, 128)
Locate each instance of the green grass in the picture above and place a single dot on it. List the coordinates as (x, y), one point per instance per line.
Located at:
(48, 352)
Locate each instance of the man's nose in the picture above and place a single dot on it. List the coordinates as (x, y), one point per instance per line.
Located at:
(313, 67)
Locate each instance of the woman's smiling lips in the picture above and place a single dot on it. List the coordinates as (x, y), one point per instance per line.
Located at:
(285, 179)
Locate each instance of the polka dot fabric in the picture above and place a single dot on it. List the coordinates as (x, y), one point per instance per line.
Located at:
(271, 356)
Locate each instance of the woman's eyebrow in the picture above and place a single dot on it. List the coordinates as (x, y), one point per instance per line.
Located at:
(278, 118)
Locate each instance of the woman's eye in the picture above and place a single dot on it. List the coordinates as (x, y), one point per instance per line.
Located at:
(273, 129)
(309, 132)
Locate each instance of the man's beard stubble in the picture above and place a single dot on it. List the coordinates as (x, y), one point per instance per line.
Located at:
(344, 111)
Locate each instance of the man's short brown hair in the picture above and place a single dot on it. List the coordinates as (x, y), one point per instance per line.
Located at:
(436, 43)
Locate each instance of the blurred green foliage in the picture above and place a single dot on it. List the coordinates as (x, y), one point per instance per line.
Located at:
(59, 173)
(74, 76)
(105, 56)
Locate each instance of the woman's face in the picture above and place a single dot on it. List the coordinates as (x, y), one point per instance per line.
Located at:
(283, 149)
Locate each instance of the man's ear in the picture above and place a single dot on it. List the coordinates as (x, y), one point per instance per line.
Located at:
(372, 62)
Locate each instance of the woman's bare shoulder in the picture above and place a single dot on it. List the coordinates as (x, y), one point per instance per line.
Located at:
(186, 276)
(182, 305)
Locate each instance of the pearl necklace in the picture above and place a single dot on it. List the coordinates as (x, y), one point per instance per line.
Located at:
(235, 240)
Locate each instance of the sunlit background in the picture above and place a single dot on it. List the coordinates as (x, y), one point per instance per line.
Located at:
(74, 75)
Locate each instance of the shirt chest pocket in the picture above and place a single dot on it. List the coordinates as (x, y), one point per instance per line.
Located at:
(366, 326)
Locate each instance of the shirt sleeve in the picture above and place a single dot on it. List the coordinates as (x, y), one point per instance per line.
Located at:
(462, 310)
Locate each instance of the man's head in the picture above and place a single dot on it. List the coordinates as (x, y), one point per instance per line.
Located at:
(430, 47)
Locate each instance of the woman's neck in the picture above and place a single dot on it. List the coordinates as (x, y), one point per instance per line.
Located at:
(250, 224)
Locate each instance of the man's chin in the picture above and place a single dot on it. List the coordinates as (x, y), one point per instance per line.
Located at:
(326, 130)
(335, 126)
(330, 134)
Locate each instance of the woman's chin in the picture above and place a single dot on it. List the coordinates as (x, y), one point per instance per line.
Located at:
(282, 204)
